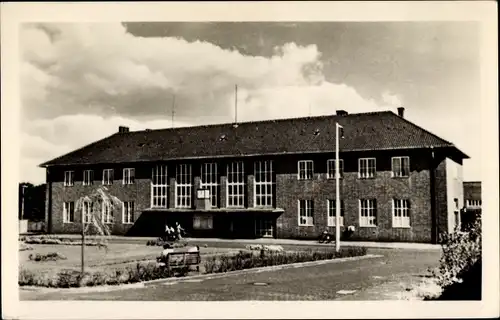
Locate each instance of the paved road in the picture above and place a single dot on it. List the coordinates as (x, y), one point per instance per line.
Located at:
(323, 282)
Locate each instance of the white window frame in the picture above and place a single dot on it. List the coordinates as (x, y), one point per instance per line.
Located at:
(88, 177)
(330, 168)
(332, 209)
(303, 169)
(203, 222)
(209, 179)
(401, 172)
(68, 216)
(107, 177)
(128, 176)
(364, 168)
(128, 209)
(264, 184)
(183, 186)
(107, 214)
(87, 212)
(159, 186)
(473, 203)
(401, 213)
(235, 186)
(368, 213)
(306, 212)
(69, 178)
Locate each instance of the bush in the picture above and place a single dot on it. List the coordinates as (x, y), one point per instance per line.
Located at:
(52, 256)
(161, 242)
(248, 259)
(469, 288)
(460, 251)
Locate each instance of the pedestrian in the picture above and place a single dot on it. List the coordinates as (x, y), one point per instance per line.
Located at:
(168, 232)
(179, 230)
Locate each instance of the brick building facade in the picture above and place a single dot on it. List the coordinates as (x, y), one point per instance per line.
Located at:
(398, 182)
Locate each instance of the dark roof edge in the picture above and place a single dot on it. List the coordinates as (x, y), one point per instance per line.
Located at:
(48, 163)
(257, 155)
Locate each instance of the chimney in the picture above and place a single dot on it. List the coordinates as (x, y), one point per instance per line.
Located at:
(122, 129)
(342, 113)
(401, 112)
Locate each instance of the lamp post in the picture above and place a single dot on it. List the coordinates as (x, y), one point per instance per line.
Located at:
(338, 131)
(22, 201)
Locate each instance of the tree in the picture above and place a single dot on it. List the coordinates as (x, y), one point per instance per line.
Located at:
(96, 211)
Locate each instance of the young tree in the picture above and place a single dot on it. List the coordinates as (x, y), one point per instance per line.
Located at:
(96, 213)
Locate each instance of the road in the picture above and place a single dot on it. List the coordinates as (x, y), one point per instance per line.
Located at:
(369, 279)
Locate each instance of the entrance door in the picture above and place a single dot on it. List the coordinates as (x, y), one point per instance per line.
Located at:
(264, 228)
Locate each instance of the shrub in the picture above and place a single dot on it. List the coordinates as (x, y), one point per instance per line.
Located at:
(247, 260)
(460, 251)
(469, 288)
(52, 256)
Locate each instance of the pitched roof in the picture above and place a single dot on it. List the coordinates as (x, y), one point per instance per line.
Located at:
(362, 131)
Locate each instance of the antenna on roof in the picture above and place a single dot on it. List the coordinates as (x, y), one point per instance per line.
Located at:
(173, 109)
(235, 103)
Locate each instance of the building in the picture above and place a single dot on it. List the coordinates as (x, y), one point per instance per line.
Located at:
(273, 178)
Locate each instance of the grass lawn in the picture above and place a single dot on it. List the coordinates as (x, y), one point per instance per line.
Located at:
(117, 255)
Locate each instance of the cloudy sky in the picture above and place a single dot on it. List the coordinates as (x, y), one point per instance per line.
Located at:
(79, 82)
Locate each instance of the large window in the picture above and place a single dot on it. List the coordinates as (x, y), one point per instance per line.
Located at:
(107, 213)
(159, 187)
(203, 222)
(330, 164)
(68, 212)
(305, 169)
(88, 177)
(183, 186)
(306, 213)
(87, 211)
(366, 168)
(332, 212)
(400, 213)
(107, 176)
(400, 166)
(264, 181)
(367, 213)
(69, 178)
(210, 180)
(264, 227)
(473, 203)
(128, 175)
(236, 184)
(128, 212)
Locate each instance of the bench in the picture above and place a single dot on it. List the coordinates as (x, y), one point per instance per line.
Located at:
(180, 259)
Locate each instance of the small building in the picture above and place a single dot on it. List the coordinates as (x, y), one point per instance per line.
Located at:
(274, 178)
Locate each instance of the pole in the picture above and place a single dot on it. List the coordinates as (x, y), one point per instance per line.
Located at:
(235, 103)
(22, 203)
(337, 190)
(83, 243)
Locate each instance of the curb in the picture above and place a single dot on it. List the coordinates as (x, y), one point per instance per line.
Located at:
(108, 288)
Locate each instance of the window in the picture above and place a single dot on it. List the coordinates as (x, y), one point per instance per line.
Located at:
(401, 167)
(306, 169)
(203, 222)
(264, 181)
(367, 213)
(330, 164)
(264, 228)
(236, 184)
(69, 178)
(400, 213)
(88, 177)
(332, 209)
(306, 213)
(107, 213)
(210, 180)
(159, 185)
(128, 212)
(128, 175)
(367, 168)
(183, 186)
(107, 177)
(87, 211)
(473, 203)
(69, 212)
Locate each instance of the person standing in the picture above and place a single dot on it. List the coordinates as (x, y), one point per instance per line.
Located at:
(179, 230)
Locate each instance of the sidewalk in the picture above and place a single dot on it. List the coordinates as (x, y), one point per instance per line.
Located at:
(269, 241)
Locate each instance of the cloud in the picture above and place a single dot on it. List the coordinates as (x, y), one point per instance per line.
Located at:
(79, 82)
(391, 99)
